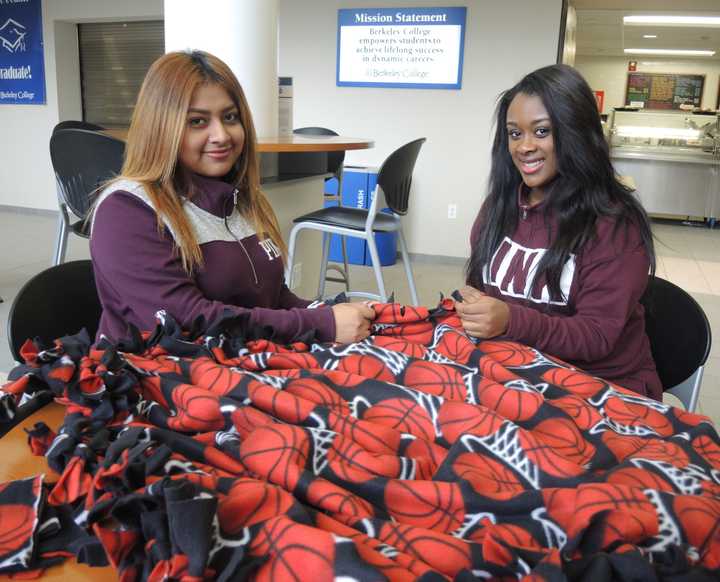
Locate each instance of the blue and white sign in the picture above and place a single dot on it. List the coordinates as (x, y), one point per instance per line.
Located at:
(415, 48)
(22, 65)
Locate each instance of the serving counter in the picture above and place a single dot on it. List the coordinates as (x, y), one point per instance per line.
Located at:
(673, 158)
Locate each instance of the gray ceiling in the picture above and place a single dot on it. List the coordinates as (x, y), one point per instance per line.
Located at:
(600, 29)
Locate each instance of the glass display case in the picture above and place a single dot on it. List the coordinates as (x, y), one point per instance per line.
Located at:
(668, 132)
(672, 158)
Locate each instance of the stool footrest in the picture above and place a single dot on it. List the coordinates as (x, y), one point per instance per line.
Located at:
(364, 295)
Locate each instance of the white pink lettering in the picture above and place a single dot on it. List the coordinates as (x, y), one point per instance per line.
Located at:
(270, 248)
(512, 272)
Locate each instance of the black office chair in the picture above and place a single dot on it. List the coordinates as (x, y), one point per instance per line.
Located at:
(680, 339)
(63, 221)
(392, 190)
(75, 124)
(58, 301)
(82, 159)
(335, 167)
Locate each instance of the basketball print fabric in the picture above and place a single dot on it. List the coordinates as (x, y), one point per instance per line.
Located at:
(415, 454)
(19, 502)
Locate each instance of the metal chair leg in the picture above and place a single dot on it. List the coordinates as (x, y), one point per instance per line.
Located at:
(343, 242)
(375, 259)
(343, 271)
(688, 392)
(62, 236)
(291, 256)
(343, 239)
(408, 268)
(324, 264)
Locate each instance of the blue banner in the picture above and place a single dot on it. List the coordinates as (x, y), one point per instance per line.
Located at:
(22, 63)
(413, 48)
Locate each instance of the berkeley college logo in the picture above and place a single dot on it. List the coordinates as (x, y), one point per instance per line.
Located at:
(12, 36)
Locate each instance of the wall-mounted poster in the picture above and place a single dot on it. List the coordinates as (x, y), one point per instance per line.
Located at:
(416, 48)
(22, 65)
(664, 90)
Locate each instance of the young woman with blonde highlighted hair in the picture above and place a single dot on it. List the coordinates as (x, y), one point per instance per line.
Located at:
(186, 228)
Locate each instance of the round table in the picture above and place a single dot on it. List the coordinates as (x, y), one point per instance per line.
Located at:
(290, 143)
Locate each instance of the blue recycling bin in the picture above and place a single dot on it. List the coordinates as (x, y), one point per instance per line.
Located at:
(358, 186)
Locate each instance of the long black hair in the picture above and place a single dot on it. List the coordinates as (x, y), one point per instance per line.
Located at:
(584, 189)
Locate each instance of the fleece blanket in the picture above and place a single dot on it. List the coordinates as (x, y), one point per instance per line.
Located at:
(417, 454)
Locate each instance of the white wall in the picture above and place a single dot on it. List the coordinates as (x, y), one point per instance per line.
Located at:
(26, 176)
(609, 74)
(503, 41)
(453, 166)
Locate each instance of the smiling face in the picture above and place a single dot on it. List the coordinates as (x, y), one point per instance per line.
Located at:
(531, 144)
(214, 136)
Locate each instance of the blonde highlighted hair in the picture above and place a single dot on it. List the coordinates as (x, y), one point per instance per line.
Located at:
(154, 140)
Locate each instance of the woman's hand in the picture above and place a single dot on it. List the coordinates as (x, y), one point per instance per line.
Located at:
(470, 294)
(352, 321)
(482, 316)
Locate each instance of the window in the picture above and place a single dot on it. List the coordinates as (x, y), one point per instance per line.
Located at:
(114, 57)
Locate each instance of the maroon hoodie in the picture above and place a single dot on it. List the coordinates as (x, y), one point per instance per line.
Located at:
(599, 324)
(138, 270)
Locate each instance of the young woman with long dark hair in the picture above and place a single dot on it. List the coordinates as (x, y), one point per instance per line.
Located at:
(561, 249)
(186, 227)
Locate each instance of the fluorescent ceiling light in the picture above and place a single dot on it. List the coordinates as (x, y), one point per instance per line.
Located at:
(640, 20)
(677, 52)
(649, 35)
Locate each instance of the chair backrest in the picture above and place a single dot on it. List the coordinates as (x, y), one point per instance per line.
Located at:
(83, 160)
(395, 175)
(58, 301)
(678, 329)
(335, 159)
(74, 124)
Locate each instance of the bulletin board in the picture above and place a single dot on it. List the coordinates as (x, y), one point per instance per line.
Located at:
(664, 90)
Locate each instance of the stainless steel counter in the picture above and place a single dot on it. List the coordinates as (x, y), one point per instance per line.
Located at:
(686, 155)
(669, 156)
(672, 180)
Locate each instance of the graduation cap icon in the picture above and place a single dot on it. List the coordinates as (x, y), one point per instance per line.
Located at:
(12, 35)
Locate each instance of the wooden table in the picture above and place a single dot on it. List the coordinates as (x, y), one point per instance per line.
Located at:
(291, 143)
(19, 463)
(311, 143)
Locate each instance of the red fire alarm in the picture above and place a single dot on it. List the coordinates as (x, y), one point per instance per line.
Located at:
(632, 65)
(600, 99)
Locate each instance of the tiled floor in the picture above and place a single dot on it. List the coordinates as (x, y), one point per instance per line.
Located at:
(688, 256)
